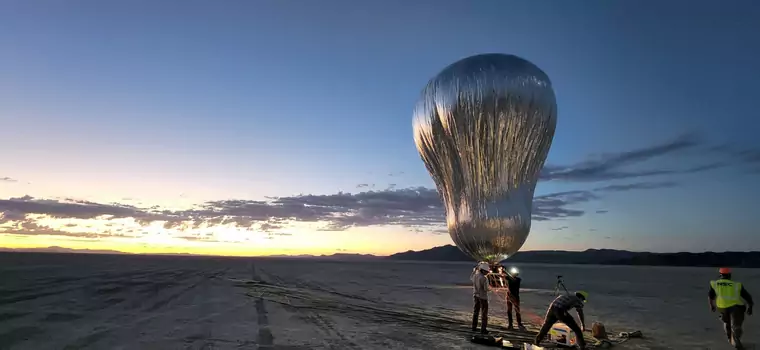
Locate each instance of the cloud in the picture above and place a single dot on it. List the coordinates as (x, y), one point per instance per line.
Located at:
(78, 209)
(417, 209)
(612, 166)
(7, 179)
(21, 224)
(636, 186)
(747, 158)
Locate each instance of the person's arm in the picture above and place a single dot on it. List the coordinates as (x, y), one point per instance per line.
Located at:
(711, 299)
(746, 296)
(583, 319)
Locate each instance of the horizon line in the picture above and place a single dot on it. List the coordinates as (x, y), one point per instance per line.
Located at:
(64, 250)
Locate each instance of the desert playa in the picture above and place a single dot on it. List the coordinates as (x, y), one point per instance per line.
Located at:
(69, 301)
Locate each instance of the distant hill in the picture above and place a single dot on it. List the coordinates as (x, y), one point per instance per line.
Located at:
(598, 256)
(452, 253)
(62, 250)
(56, 249)
(336, 256)
(347, 256)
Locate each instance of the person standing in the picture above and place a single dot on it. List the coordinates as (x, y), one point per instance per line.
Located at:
(726, 296)
(513, 299)
(480, 296)
(559, 310)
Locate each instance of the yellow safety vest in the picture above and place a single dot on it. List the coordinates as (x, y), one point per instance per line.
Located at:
(727, 293)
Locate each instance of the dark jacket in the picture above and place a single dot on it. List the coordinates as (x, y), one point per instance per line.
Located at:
(514, 286)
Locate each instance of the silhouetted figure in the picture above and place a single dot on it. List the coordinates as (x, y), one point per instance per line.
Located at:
(513, 299)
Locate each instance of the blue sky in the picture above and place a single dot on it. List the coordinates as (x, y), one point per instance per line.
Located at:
(174, 104)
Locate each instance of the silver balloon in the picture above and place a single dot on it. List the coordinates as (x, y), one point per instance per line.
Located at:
(483, 127)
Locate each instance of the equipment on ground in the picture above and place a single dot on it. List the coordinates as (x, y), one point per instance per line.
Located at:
(598, 331)
(560, 284)
(500, 342)
(483, 127)
(561, 334)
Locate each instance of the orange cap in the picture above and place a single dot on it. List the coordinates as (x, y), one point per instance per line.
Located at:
(724, 271)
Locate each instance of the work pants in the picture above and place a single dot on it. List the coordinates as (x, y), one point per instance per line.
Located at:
(554, 315)
(733, 318)
(516, 302)
(480, 307)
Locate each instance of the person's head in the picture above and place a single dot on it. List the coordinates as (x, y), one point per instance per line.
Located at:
(484, 267)
(583, 296)
(725, 272)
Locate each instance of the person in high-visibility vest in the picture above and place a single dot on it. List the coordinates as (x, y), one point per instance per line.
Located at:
(726, 296)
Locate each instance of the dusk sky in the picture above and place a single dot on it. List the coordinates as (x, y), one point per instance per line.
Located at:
(285, 127)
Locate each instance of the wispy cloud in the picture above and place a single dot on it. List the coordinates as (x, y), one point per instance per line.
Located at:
(7, 179)
(614, 166)
(747, 158)
(636, 186)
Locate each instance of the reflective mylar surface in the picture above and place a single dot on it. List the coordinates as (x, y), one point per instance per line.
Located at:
(484, 126)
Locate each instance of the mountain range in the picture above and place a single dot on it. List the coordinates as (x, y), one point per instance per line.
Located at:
(598, 257)
(452, 253)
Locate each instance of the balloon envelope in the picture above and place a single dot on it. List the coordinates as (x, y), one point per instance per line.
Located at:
(483, 127)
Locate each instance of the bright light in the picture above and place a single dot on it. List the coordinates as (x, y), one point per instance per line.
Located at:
(513, 271)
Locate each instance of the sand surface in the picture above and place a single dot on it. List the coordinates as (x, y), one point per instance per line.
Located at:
(51, 301)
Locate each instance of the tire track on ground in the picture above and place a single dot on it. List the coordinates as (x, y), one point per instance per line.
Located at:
(373, 311)
(265, 339)
(206, 336)
(323, 324)
(171, 297)
(113, 323)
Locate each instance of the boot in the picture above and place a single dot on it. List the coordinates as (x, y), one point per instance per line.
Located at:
(737, 343)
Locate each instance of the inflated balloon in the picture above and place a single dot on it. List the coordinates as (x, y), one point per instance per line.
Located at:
(483, 127)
